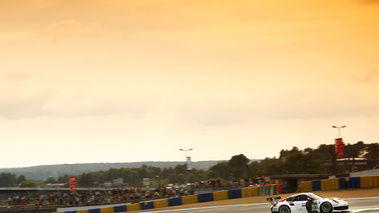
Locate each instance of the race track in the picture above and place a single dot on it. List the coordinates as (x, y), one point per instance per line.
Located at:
(356, 205)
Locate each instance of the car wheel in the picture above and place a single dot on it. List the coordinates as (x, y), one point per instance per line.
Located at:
(284, 209)
(326, 207)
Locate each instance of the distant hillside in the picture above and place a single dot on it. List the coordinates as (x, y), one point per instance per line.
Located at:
(45, 171)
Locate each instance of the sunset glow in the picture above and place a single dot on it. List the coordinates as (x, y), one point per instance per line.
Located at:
(86, 81)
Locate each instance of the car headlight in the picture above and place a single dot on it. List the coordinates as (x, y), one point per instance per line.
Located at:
(335, 201)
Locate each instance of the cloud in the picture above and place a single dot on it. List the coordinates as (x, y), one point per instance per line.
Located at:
(15, 35)
(92, 31)
(17, 108)
(217, 115)
(366, 76)
(370, 1)
(28, 5)
(320, 103)
(62, 31)
(99, 107)
(19, 76)
(67, 30)
(48, 105)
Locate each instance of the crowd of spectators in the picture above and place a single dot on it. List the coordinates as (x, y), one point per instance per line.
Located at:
(116, 195)
(92, 197)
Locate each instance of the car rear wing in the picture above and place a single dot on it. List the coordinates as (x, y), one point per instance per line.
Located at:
(273, 200)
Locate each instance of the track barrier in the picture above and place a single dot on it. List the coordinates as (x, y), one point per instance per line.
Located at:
(176, 201)
(340, 183)
(207, 197)
(189, 199)
(234, 193)
(221, 195)
(273, 189)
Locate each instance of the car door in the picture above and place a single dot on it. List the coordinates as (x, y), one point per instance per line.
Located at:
(294, 204)
(302, 201)
(297, 203)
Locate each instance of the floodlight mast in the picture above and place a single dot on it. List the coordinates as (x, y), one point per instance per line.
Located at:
(186, 150)
(339, 129)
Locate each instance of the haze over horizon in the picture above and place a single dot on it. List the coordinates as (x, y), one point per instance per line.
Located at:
(86, 81)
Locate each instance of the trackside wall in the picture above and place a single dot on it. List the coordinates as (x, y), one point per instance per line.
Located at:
(306, 186)
(206, 197)
(340, 183)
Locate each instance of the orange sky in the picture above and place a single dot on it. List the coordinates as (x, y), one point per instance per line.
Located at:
(121, 81)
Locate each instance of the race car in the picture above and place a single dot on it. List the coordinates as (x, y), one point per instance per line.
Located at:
(307, 203)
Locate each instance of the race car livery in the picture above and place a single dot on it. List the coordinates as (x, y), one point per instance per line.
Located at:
(307, 203)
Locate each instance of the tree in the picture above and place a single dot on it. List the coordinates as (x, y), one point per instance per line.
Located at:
(273, 166)
(372, 151)
(180, 168)
(198, 176)
(176, 178)
(20, 179)
(238, 165)
(112, 174)
(28, 184)
(285, 153)
(257, 168)
(299, 163)
(50, 180)
(86, 180)
(354, 150)
(165, 173)
(221, 169)
(322, 153)
(7, 179)
(63, 179)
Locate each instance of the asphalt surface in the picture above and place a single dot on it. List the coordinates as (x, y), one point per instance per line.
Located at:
(356, 205)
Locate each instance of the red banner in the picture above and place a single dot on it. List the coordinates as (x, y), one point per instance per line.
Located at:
(72, 183)
(339, 147)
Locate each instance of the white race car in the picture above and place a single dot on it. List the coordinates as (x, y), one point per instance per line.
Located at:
(307, 203)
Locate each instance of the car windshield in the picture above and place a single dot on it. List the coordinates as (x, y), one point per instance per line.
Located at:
(315, 197)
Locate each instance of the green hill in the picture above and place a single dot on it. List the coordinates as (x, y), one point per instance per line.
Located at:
(44, 171)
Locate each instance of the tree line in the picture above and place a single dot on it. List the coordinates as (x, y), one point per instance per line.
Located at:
(294, 161)
(308, 161)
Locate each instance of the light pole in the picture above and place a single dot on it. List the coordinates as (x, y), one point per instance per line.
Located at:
(72, 167)
(186, 150)
(339, 129)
